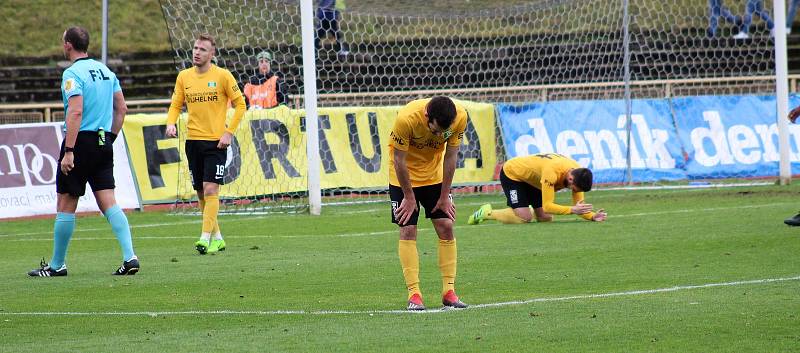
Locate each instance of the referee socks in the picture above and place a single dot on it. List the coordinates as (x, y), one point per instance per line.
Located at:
(119, 224)
(62, 233)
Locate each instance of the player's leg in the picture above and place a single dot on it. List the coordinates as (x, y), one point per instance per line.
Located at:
(516, 199)
(407, 250)
(195, 160)
(213, 176)
(447, 250)
(101, 180)
(69, 188)
(535, 200)
(119, 225)
(63, 228)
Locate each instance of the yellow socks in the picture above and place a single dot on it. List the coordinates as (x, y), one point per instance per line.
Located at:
(202, 204)
(447, 264)
(506, 216)
(210, 210)
(409, 259)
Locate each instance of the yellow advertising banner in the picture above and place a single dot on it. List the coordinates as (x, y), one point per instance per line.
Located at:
(268, 154)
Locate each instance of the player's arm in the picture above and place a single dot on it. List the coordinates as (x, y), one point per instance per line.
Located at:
(577, 199)
(399, 139)
(120, 109)
(450, 158)
(175, 107)
(235, 95)
(409, 203)
(548, 182)
(794, 114)
(73, 119)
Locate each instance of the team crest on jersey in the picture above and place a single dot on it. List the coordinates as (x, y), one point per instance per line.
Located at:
(212, 84)
(447, 133)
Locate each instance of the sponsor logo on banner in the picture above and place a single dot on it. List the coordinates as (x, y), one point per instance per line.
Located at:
(734, 136)
(594, 134)
(269, 151)
(716, 136)
(28, 156)
(28, 166)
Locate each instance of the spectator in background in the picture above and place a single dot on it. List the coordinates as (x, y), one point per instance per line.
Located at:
(265, 89)
(754, 7)
(328, 15)
(717, 9)
(790, 15)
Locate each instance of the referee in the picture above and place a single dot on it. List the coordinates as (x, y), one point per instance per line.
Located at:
(95, 109)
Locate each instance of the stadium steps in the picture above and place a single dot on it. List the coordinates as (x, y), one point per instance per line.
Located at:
(435, 63)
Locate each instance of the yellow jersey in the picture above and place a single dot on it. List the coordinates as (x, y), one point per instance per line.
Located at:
(206, 97)
(425, 151)
(546, 172)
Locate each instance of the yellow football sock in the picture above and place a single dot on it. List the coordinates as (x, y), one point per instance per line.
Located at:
(447, 264)
(506, 216)
(210, 210)
(409, 259)
(216, 224)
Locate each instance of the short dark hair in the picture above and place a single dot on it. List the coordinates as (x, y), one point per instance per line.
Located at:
(582, 178)
(209, 38)
(78, 37)
(442, 110)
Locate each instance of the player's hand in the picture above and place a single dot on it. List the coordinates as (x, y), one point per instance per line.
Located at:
(447, 206)
(172, 131)
(581, 208)
(225, 140)
(407, 207)
(600, 216)
(794, 114)
(67, 163)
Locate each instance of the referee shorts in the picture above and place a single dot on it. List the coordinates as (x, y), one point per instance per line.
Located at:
(94, 163)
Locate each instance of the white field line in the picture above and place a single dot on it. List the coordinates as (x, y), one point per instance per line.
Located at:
(372, 312)
(345, 235)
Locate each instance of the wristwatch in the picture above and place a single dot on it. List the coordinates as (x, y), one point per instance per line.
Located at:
(69, 149)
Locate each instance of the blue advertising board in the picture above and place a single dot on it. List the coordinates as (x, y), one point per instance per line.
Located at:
(682, 138)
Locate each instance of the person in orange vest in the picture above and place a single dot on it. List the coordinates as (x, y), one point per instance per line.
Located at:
(265, 89)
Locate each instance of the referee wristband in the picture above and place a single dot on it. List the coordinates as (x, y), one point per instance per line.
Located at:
(69, 149)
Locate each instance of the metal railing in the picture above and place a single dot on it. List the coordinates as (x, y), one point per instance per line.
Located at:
(54, 111)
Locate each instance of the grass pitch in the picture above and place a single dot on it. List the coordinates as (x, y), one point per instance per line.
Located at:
(671, 270)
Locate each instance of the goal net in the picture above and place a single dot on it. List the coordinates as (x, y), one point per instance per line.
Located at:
(605, 82)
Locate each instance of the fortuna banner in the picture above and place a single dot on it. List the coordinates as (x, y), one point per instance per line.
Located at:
(268, 154)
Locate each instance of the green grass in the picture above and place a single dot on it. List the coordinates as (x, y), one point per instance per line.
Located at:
(308, 265)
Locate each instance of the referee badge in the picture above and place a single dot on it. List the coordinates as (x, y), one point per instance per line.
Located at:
(69, 85)
(212, 84)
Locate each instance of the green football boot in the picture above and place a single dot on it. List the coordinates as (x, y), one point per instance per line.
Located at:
(201, 246)
(480, 215)
(216, 245)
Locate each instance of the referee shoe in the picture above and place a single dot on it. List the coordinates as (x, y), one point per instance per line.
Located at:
(129, 267)
(46, 271)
